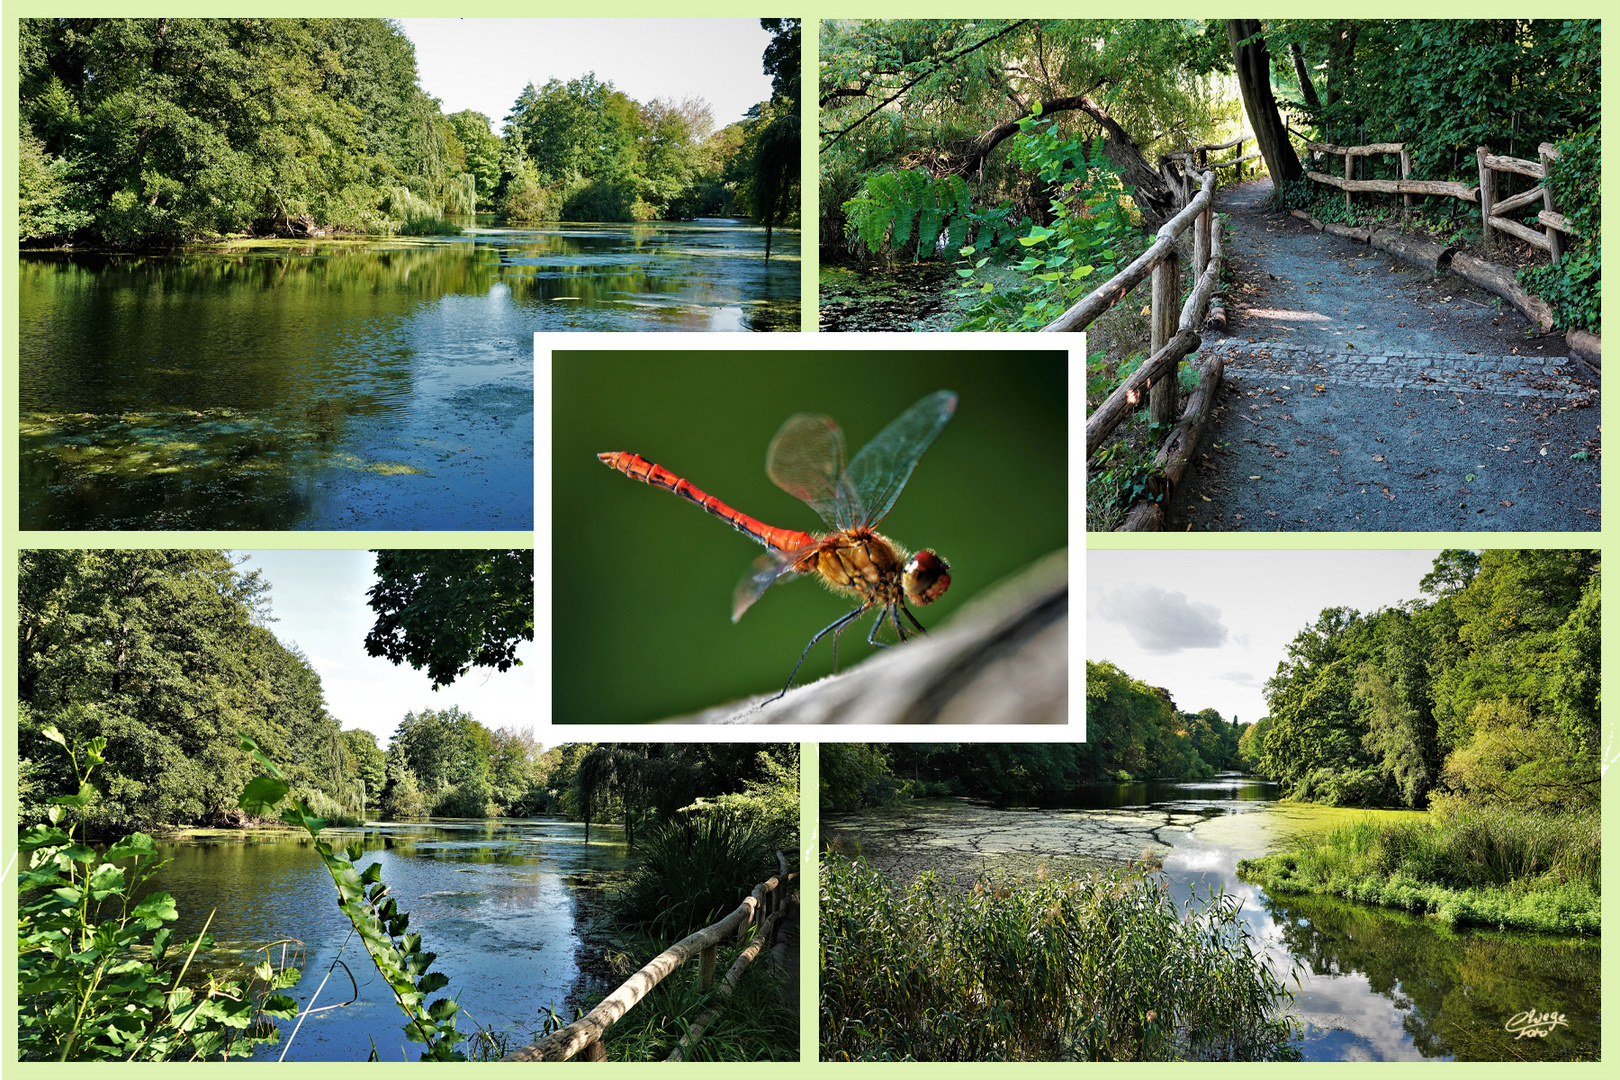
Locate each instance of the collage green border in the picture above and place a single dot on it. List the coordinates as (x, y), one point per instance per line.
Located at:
(11, 539)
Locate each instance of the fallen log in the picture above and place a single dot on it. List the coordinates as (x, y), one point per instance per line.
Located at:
(1588, 347)
(1500, 280)
(1348, 232)
(1425, 253)
(1176, 454)
(1303, 216)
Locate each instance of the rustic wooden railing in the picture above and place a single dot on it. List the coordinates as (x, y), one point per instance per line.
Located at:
(584, 1036)
(1492, 209)
(1172, 338)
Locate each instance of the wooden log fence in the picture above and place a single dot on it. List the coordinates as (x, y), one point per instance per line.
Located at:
(584, 1037)
(1492, 210)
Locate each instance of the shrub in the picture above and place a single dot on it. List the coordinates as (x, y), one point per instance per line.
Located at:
(1574, 287)
(693, 871)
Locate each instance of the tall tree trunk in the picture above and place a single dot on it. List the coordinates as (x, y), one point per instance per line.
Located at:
(1340, 58)
(1253, 64)
(1307, 89)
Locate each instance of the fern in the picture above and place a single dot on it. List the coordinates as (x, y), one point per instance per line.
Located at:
(898, 205)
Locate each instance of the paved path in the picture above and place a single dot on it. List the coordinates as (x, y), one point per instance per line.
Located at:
(1363, 394)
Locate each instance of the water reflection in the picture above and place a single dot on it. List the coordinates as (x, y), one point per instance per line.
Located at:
(340, 385)
(1374, 984)
(498, 901)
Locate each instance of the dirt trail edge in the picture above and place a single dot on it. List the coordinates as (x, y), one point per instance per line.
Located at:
(1363, 394)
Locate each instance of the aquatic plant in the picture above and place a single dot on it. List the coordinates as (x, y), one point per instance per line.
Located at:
(99, 976)
(1468, 864)
(1105, 969)
(381, 926)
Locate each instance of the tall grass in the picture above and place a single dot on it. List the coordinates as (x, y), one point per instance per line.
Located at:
(1108, 969)
(692, 871)
(1485, 865)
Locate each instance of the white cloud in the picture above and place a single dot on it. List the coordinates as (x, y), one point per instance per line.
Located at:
(1163, 622)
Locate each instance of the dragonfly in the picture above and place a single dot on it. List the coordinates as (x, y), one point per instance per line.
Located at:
(806, 459)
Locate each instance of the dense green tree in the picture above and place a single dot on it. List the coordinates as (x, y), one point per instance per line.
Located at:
(160, 652)
(449, 611)
(482, 150)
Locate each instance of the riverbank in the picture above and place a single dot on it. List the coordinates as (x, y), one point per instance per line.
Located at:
(1507, 868)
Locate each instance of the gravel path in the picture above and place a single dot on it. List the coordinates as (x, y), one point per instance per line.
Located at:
(1363, 394)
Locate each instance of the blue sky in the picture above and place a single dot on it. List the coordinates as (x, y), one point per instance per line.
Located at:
(319, 601)
(1211, 626)
(484, 64)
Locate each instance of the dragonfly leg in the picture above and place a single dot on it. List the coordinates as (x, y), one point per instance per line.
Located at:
(871, 639)
(835, 628)
(913, 619)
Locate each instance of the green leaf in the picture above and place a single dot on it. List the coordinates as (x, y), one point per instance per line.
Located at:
(54, 735)
(262, 795)
(157, 906)
(131, 846)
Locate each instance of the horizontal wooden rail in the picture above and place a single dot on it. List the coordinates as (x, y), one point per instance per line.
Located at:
(1116, 288)
(1454, 188)
(586, 1033)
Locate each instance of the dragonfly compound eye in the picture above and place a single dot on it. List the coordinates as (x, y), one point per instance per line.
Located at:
(926, 578)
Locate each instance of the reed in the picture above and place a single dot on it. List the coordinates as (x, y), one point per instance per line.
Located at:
(1107, 969)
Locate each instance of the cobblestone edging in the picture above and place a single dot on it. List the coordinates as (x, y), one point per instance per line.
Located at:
(1396, 369)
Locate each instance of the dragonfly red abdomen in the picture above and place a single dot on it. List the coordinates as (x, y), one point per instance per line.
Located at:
(639, 468)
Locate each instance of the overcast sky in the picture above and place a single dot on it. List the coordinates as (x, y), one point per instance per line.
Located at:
(1211, 626)
(484, 64)
(319, 601)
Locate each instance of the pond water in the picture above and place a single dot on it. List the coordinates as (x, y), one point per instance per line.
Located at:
(501, 903)
(1374, 985)
(341, 385)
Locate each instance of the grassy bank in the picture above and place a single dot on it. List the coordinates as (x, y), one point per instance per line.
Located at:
(1485, 866)
(1108, 969)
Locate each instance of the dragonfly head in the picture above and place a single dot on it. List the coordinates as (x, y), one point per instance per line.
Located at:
(925, 578)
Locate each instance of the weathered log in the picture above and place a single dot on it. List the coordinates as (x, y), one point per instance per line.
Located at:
(1217, 314)
(1192, 312)
(1115, 289)
(728, 984)
(1303, 216)
(1588, 347)
(1524, 198)
(1511, 164)
(1500, 280)
(1127, 396)
(1166, 291)
(1176, 454)
(1556, 221)
(1348, 232)
(1455, 189)
(1350, 151)
(586, 1033)
(1234, 161)
(1427, 254)
(1523, 232)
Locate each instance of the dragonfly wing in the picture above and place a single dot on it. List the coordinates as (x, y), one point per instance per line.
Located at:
(884, 465)
(766, 569)
(806, 460)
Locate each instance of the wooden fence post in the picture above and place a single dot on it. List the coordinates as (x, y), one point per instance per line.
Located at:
(1406, 174)
(706, 967)
(1349, 175)
(1201, 241)
(1166, 309)
(1487, 195)
(1554, 237)
(593, 1051)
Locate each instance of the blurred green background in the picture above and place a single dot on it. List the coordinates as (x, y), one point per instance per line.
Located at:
(642, 579)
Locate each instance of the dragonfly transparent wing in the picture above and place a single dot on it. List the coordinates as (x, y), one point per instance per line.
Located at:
(806, 460)
(766, 569)
(884, 465)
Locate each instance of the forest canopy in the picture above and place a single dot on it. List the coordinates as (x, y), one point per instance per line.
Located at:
(1486, 689)
(138, 132)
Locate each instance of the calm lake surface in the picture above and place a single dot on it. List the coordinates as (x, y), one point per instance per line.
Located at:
(500, 902)
(1374, 985)
(337, 385)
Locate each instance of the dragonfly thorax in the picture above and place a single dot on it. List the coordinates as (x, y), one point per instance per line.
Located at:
(871, 567)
